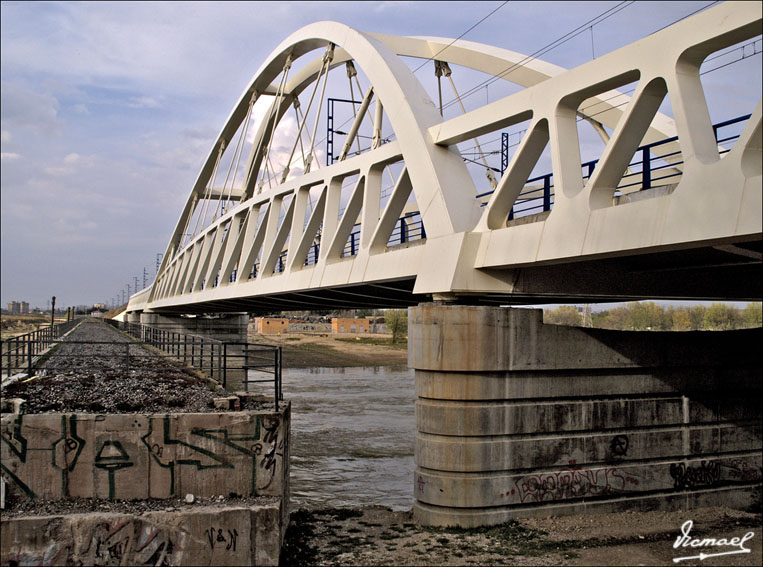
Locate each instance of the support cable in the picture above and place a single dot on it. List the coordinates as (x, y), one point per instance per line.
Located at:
(327, 58)
(272, 115)
(324, 68)
(444, 69)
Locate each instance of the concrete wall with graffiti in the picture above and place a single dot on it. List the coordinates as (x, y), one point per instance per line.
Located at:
(133, 456)
(204, 536)
(516, 417)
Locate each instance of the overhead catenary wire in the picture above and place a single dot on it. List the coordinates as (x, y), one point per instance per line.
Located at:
(545, 49)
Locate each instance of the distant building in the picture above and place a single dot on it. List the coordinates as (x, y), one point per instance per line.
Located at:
(267, 326)
(18, 307)
(99, 306)
(348, 325)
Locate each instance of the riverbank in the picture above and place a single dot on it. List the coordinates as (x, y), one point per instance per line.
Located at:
(303, 350)
(379, 536)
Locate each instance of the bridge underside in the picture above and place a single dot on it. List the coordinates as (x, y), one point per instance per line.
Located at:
(730, 272)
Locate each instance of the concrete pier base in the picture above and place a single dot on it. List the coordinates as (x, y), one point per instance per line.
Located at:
(518, 418)
(222, 327)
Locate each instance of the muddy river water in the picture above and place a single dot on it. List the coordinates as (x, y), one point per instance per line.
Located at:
(352, 436)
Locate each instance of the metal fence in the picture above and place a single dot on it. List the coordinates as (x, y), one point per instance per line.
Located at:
(18, 354)
(213, 357)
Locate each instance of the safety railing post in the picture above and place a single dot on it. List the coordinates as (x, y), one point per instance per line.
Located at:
(29, 355)
(646, 171)
(127, 357)
(225, 368)
(547, 193)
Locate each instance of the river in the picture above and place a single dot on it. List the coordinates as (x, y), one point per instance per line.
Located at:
(352, 435)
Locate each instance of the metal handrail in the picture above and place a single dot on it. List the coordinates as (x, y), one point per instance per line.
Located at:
(646, 164)
(18, 353)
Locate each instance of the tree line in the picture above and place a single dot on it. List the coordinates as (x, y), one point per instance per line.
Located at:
(649, 316)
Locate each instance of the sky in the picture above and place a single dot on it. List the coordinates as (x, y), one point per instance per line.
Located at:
(109, 110)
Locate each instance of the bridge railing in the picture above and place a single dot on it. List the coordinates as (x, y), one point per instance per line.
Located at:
(649, 169)
(19, 352)
(210, 356)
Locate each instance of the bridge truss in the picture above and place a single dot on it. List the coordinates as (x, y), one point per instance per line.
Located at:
(670, 208)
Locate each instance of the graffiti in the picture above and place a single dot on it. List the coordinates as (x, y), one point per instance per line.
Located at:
(154, 547)
(218, 538)
(112, 542)
(619, 445)
(38, 451)
(742, 471)
(706, 473)
(572, 483)
(199, 457)
(12, 437)
(709, 473)
(112, 457)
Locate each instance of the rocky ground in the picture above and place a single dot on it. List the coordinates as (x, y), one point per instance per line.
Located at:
(96, 378)
(379, 536)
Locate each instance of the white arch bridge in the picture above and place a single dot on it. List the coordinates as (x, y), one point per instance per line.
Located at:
(416, 205)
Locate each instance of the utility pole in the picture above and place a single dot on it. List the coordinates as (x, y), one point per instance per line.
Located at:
(145, 273)
(128, 292)
(53, 312)
(135, 289)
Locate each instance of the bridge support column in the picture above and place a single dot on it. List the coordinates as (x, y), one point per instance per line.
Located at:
(227, 327)
(518, 418)
(133, 317)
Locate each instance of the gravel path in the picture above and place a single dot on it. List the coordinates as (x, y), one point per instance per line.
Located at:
(94, 378)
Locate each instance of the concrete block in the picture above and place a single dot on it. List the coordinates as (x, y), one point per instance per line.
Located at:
(196, 536)
(133, 456)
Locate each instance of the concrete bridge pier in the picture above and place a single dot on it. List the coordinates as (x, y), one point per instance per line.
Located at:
(519, 418)
(230, 327)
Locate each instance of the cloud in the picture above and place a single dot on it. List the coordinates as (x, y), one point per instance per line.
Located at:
(9, 156)
(5, 137)
(143, 102)
(24, 108)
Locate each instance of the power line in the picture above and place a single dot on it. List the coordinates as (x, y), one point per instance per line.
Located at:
(460, 36)
(545, 49)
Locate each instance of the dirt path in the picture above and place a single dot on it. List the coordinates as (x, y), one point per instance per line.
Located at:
(302, 350)
(378, 536)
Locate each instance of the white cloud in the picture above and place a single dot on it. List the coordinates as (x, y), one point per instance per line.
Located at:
(9, 156)
(26, 108)
(5, 137)
(71, 158)
(143, 102)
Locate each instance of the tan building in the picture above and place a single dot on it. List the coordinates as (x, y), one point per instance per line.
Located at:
(267, 326)
(342, 325)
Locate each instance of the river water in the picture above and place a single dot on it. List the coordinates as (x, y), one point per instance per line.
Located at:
(352, 435)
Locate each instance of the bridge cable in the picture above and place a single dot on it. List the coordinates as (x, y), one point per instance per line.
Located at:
(553, 45)
(274, 111)
(285, 173)
(328, 57)
(442, 68)
(417, 69)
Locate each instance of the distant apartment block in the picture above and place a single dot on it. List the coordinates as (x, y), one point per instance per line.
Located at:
(18, 307)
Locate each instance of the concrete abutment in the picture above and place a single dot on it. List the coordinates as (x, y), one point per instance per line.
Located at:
(519, 418)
